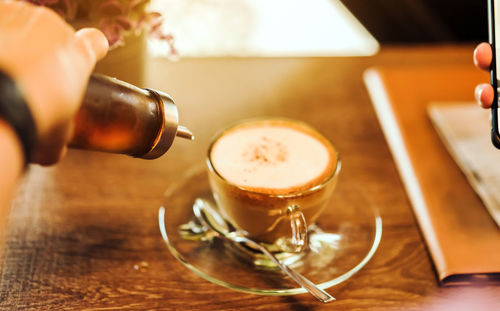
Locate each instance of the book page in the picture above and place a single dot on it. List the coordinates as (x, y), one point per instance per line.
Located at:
(465, 130)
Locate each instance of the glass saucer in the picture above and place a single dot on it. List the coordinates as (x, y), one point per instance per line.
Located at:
(343, 240)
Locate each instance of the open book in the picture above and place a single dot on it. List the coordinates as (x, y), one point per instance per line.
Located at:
(462, 237)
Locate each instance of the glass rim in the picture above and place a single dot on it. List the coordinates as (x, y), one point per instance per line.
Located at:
(295, 194)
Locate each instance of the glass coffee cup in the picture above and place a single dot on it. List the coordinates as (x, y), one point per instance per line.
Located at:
(271, 178)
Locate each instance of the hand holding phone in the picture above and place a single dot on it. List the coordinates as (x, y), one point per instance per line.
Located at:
(494, 37)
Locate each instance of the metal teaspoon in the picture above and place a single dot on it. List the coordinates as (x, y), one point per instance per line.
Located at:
(211, 218)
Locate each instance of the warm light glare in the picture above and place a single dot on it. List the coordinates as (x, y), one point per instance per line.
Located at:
(212, 28)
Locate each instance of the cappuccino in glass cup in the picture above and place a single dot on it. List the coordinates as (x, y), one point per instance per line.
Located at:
(272, 178)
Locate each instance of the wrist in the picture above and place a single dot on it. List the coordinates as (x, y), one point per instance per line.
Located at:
(15, 112)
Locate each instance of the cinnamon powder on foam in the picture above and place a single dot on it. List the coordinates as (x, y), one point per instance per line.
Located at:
(276, 157)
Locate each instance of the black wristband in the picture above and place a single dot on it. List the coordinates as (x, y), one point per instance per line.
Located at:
(15, 111)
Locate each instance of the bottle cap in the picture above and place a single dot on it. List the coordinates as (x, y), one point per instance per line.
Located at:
(170, 127)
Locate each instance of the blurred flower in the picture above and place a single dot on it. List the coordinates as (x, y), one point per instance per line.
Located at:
(115, 18)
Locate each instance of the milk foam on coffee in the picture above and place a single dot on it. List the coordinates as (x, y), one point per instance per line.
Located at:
(272, 156)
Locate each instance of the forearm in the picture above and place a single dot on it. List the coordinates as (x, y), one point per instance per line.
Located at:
(11, 167)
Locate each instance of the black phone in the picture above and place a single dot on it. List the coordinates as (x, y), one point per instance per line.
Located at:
(494, 39)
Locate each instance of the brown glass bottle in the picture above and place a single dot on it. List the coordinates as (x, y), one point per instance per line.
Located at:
(121, 118)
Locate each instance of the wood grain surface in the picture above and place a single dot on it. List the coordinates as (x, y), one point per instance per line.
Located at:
(83, 235)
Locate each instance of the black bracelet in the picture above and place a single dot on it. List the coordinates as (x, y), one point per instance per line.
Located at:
(15, 111)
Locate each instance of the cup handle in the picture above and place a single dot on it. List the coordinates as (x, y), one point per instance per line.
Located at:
(299, 240)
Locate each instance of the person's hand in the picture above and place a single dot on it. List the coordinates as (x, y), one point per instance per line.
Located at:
(51, 64)
(482, 59)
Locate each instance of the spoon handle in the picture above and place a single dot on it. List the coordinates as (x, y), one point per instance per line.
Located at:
(317, 292)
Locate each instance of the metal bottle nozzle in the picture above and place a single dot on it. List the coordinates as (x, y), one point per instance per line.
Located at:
(184, 132)
(171, 127)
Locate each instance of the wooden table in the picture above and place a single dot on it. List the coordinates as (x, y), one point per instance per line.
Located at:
(84, 234)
